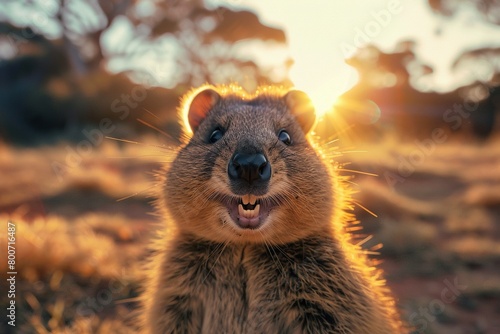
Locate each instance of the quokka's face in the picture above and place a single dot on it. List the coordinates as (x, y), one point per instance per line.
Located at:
(248, 173)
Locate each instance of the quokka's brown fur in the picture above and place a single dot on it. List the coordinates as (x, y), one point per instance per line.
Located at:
(294, 268)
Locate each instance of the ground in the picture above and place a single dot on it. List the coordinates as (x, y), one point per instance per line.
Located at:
(81, 238)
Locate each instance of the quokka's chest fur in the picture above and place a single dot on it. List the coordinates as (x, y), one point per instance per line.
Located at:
(263, 288)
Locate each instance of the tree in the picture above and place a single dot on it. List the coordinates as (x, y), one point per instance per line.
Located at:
(385, 100)
(489, 9)
(62, 49)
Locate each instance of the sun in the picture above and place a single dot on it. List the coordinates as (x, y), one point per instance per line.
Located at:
(324, 92)
(324, 104)
(324, 101)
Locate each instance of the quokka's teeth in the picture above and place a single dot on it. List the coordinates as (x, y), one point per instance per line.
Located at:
(245, 199)
(252, 199)
(256, 211)
(248, 199)
(248, 213)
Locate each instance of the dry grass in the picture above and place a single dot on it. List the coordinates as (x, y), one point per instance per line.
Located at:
(442, 219)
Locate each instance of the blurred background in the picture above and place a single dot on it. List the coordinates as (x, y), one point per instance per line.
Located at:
(408, 99)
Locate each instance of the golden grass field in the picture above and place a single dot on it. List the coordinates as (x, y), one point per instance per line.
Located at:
(80, 249)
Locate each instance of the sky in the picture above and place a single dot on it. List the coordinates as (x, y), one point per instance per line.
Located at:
(321, 34)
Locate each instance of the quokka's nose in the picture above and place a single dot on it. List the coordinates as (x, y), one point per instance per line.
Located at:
(249, 167)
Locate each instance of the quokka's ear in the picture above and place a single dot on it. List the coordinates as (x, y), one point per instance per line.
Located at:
(301, 106)
(199, 107)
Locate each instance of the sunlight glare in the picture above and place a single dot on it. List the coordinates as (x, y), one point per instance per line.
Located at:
(324, 97)
(358, 111)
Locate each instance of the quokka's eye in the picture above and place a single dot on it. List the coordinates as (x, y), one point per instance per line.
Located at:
(284, 137)
(216, 135)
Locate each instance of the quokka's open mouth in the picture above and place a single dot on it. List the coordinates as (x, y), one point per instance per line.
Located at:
(249, 207)
(248, 211)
